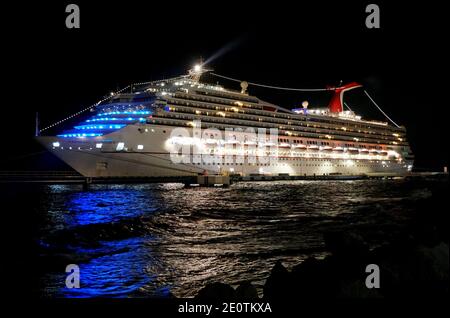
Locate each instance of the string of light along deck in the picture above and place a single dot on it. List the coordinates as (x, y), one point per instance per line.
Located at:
(217, 75)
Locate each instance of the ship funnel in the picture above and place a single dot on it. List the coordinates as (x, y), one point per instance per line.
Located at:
(336, 103)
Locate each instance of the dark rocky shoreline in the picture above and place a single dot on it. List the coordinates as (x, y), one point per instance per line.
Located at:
(413, 264)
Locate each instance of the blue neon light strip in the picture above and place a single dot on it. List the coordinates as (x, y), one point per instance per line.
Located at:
(80, 135)
(83, 127)
(126, 113)
(114, 118)
(98, 126)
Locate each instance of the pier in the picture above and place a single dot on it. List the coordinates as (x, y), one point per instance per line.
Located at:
(410, 175)
(72, 177)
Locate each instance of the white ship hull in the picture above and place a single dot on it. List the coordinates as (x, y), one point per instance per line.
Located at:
(146, 153)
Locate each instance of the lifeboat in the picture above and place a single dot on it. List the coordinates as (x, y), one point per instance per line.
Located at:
(384, 153)
(211, 141)
(353, 150)
(364, 151)
(338, 149)
(313, 147)
(299, 146)
(231, 142)
(327, 148)
(284, 145)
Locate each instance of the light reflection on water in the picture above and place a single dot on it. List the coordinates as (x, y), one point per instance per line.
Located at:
(124, 262)
(149, 240)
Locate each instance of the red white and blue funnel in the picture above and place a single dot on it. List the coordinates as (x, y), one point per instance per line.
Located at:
(336, 102)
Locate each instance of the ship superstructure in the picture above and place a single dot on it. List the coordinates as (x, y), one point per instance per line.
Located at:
(182, 126)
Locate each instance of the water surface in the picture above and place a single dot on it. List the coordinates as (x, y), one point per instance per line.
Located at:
(154, 239)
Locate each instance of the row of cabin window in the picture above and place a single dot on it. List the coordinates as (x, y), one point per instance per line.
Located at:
(282, 164)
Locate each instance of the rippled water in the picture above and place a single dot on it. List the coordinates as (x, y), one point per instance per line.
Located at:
(155, 239)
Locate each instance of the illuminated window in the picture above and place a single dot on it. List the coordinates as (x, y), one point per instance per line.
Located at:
(56, 144)
(140, 147)
(120, 146)
(99, 145)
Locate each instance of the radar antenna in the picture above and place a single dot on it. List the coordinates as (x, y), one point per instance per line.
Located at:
(244, 86)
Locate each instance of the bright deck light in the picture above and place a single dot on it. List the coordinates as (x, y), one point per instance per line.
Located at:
(197, 68)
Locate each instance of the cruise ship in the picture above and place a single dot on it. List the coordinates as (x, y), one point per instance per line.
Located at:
(184, 126)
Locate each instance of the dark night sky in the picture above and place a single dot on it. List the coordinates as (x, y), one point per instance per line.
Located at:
(58, 71)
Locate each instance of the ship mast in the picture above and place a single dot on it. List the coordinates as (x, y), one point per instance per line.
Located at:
(36, 133)
(197, 71)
